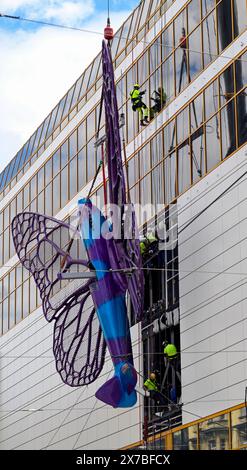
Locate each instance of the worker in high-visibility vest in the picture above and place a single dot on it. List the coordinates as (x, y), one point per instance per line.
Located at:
(151, 385)
(147, 243)
(138, 104)
(159, 99)
(170, 350)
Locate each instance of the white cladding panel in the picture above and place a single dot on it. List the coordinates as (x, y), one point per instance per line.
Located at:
(52, 415)
(213, 295)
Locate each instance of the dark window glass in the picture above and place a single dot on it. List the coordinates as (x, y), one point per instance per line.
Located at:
(242, 117)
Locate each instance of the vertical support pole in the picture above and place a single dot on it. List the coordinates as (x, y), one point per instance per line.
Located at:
(103, 172)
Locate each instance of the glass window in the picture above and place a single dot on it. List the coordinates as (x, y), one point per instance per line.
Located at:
(198, 153)
(64, 186)
(91, 154)
(48, 199)
(224, 17)
(209, 39)
(33, 188)
(211, 99)
(207, 6)
(241, 72)
(52, 120)
(170, 177)
(181, 64)
(240, 20)
(180, 23)
(196, 113)
(184, 167)
(213, 142)
(6, 216)
(18, 304)
(239, 428)
(82, 168)
(48, 171)
(167, 43)
(90, 125)
(241, 112)
(12, 209)
(33, 292)
(64, 154)
(228, 130)
(12, 310)
(82, 135)
(73, 177)
(73, 144)
(154, 56)
(25, 299)
(5, 315)
(226, 82)
(68, 101)
(212, 433)
(144, 157)
(60, 111)
(195, 56)
(194, 14)
(6, 245)
(56, 194)
(1, 250)
(168, 77)
(41, 203)
(56, 162)
(185, 439)
(182, 125)
(158, 192)
(26, 196)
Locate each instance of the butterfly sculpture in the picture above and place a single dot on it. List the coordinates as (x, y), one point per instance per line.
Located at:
(93, 314)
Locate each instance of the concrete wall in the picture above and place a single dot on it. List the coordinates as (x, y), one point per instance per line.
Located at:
(213, 290)
(38, 411)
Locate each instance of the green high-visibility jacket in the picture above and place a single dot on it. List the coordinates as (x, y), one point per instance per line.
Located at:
(150, 385)
(135, 95)
(170, 350)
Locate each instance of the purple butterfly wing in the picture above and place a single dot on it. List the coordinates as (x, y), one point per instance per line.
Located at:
(79, 347)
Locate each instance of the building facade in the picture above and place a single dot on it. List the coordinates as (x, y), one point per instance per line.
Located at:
(189, 160)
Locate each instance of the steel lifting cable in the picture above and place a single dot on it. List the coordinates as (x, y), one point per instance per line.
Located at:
(101, 34)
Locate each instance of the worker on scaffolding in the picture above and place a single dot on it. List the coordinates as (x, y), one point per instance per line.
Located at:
(159, 101)
(138, 104)
(151, 386)
(170, 351)
(148, 244)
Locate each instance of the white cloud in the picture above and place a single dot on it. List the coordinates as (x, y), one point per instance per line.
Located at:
(37, 69)
(72, 12)
(69, 12)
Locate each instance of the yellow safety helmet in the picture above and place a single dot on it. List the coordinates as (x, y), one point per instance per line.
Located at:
(152, 376)
(136, 85)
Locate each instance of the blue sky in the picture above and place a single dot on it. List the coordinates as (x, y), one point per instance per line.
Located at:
(40, 63)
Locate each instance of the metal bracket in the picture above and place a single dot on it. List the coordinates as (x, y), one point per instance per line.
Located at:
(71, 276)
(100, 141)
